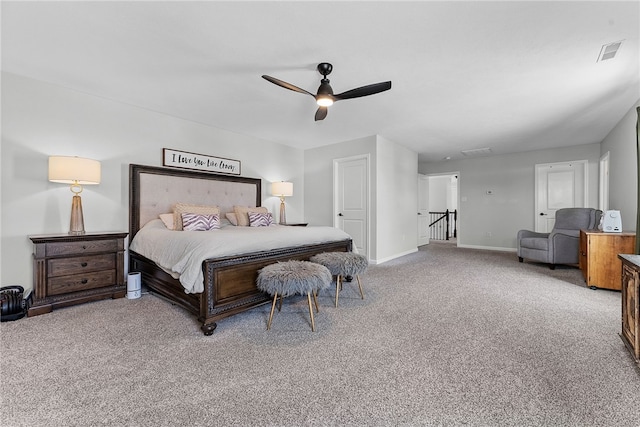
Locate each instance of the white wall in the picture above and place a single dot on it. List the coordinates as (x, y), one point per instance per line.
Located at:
(511, 177)
(318, 190)
(397, 206)
(439, 187)
(621, 144)
(318, 172)
(39, 120)
(393, 192)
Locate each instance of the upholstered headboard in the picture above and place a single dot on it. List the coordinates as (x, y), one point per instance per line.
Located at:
(155, 190)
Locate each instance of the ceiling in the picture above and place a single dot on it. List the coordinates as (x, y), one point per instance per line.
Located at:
(511, 76)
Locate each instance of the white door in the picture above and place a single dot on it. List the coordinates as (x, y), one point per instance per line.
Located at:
(558, 185)
(423, 210)
(351, 184)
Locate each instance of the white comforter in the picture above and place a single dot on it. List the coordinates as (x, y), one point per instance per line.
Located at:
(181, 252)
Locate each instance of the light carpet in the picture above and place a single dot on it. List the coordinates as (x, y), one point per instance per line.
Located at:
(444, 337)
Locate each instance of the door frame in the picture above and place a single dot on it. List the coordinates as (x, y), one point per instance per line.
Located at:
(425, 179)
(459, 198)
(603, 202)
(367, 160)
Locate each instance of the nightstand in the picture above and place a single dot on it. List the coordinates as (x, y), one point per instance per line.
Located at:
(73, 269)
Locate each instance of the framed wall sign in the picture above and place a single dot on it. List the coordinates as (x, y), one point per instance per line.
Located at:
(201, 162)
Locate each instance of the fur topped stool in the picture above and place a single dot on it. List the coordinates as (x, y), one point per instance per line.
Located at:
(287, 278)
(341, 265)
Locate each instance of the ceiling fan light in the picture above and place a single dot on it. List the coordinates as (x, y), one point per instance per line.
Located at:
(324, 101)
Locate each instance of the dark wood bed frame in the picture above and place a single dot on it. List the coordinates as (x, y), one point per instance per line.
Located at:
(229, 282)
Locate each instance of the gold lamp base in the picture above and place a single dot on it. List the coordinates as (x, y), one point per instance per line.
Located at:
(283, 218)
(76, 225)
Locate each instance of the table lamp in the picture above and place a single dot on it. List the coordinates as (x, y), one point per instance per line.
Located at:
(76, 171)
(282, 189)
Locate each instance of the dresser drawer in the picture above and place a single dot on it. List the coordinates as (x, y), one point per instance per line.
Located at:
(631, 307)
(81, 282)
(80, 265)
(80, 248)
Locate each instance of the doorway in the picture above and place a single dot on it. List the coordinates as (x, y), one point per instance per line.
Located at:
(557, 186)
(351, 200)
(442, 195)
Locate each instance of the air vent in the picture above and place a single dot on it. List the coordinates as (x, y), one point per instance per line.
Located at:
(477, 152)
(608, 51)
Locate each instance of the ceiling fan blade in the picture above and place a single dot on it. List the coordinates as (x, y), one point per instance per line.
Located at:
(364, 91)
(285, 85)
(321, 113)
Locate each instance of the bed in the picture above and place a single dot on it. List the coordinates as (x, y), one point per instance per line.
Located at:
(228, 281)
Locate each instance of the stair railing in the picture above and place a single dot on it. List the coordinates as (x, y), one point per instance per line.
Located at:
(443, 225)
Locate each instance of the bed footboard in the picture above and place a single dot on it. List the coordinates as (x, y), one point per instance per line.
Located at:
(162, 283)
(229, 282)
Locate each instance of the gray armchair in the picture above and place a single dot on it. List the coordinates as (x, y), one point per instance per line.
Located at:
(562, 245)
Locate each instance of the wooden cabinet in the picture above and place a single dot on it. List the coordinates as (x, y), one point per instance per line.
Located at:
(631, 304)
(599, 260)
(72, 269)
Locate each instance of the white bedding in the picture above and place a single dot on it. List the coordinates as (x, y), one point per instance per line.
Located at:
(181, 252)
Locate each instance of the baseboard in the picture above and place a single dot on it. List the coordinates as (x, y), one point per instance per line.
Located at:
(488, 248)
(380, 261)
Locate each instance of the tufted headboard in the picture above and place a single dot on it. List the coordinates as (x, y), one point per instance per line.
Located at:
(155, 190)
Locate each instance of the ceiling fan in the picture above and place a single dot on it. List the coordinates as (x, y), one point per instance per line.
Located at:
(325, 97)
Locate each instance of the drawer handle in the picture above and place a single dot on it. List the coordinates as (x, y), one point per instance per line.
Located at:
(84, 264)
(84, 247)
(84, 281)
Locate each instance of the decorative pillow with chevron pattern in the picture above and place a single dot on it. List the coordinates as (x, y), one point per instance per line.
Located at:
(242, 214)
(200, 222)
(181, 208)
(257, 219)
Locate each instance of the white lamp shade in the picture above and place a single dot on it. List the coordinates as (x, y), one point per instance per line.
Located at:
(70, 170)
(282, 189)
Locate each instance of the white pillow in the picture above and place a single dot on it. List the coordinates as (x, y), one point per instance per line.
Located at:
(233, 219)
(167, 219)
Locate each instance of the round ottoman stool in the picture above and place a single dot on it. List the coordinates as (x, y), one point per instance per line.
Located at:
(293, 277)
(342, 264)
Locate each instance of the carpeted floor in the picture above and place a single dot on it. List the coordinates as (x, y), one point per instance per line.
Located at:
(445, 337)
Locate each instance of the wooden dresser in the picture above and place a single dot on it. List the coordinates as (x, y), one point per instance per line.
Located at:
(599, 260)
(631, 304)
(72, 269)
